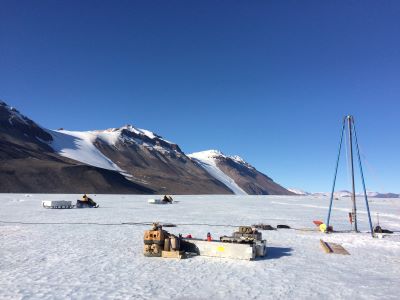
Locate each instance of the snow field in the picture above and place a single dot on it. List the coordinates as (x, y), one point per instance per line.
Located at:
(88, 261)
(79, 146)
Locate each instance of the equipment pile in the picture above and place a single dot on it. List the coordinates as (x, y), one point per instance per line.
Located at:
(248, 235)
(246, 243)
(160, 243)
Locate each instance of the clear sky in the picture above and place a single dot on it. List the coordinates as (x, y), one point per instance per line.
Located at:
(267, 80)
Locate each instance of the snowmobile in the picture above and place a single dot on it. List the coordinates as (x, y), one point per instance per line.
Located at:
(86, 202)
(165, 200)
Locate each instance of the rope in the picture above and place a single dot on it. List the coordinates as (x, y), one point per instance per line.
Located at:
(150, 223)
(77, 223)
(373, 172)
(125, 223)
(363, 180)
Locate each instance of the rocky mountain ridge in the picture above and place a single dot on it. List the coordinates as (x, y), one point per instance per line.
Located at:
(140, 160)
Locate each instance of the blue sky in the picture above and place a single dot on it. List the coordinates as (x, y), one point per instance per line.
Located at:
(267, 80)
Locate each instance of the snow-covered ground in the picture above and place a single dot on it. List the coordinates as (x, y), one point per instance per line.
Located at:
(67, 260)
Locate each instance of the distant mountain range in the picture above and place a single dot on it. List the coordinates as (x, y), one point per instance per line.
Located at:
(344, 193)
(117, 160)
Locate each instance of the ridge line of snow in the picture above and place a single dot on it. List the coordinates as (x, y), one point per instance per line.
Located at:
(79, 146)
(210, 166)
(216, 153)
(151, 135)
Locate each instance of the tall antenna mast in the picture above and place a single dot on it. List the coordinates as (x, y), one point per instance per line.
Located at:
(353, 194)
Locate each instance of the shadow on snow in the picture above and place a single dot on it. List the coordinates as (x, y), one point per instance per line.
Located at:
(276, 252)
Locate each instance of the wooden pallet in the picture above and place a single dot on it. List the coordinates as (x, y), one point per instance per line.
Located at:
(173, 254)
(333, 248)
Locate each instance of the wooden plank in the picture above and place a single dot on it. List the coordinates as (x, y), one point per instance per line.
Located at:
(172, 254)
(325, 246)
(333, 248)
(338, 249)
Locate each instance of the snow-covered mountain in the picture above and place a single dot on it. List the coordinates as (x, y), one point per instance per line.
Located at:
(83, 145)
(141, 156)
(121, 160)
(208, 161)
(28, 163)
(298, 192)
(19, 126)
(80, 146)
(345, 193)
(337, 194)
(380, 195)
(117, 160)
(237, 174)
(146, 157)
